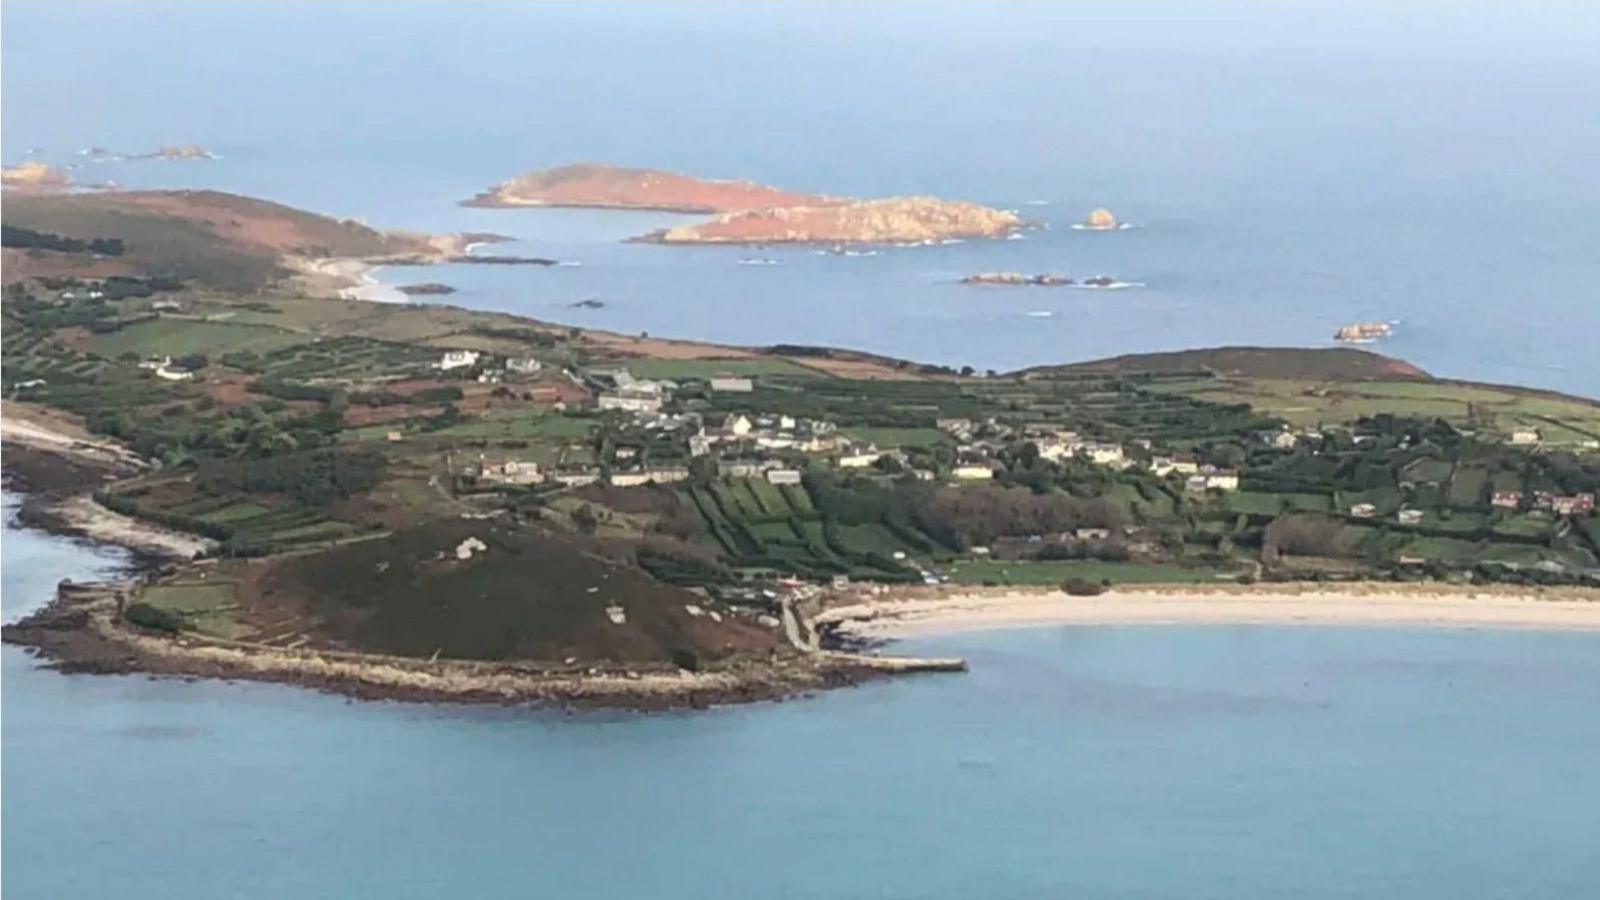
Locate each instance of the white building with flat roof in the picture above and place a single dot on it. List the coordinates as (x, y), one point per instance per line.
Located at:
(457, 359)
(731, 384)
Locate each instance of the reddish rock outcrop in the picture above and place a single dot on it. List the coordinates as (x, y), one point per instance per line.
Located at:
(896, 220)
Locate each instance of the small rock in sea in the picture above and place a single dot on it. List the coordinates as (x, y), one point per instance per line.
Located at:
(1101, 220)
(426, 288)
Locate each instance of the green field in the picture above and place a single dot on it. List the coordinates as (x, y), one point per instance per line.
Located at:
(678, 369)
(1307, 402)
(1048, 572)
(178, 337)
(890, 438)
(510, 425)
(210, 606)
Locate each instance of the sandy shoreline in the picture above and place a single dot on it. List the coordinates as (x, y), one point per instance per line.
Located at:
(348, 279)
(1374, 604)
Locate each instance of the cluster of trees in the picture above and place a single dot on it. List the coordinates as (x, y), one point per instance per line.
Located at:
(27, 238)
(964, 517)
(1303, 534)
(175, 520)
(314, 477)
(680, 564)
(429, 396)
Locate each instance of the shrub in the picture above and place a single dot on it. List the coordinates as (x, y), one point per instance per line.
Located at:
(154, 617)
(1083, 587)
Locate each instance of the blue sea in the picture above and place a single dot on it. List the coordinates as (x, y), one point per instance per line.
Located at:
(1286, 168)
(1196, 762)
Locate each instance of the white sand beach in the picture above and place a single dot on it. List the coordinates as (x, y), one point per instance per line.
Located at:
(912, 612)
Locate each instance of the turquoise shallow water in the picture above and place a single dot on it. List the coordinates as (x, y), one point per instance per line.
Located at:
(1196, 762)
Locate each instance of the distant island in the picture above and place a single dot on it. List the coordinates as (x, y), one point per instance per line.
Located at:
(177, 151)
(749, 213)
(598, 186)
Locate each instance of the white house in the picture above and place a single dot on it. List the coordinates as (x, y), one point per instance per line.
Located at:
(1102, 454)
(657, 475)
(631, 401)
(458, 359)
(1409, 517)
(732, 385)
(1212, 480)
(524, 365)
(511, 471)
(858, 459)
(973, 472)
(1506, 499)
(743, 468)
(1165, 465)
(1523, 437)
(783, 476)
(740, 426)
(1053, 449)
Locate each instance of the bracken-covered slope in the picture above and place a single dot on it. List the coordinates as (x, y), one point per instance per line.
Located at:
(218, 239)
(1337, 363)
(520, 594)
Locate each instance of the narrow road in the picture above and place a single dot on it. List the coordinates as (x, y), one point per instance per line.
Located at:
(792, 628)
